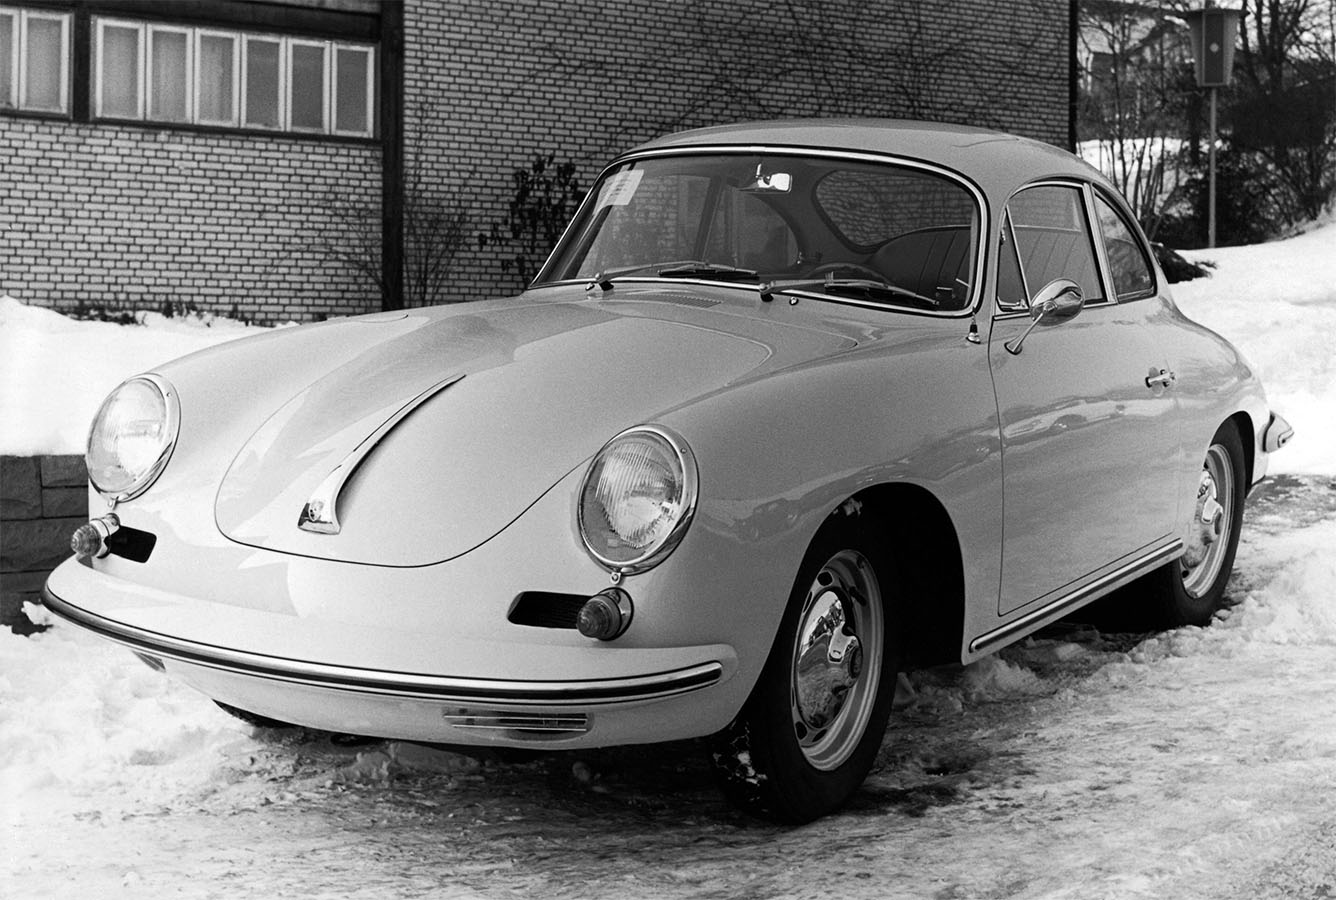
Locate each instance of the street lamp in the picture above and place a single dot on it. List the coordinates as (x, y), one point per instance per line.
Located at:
(1214, 31)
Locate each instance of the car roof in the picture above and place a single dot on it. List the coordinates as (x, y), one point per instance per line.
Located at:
(998, 161)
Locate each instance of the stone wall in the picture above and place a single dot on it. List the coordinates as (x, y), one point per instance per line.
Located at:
(42, 501)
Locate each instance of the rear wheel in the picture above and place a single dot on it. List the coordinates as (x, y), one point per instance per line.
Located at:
(810, 731)
(1188, 591)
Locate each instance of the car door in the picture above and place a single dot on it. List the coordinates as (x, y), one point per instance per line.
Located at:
(1087, 421)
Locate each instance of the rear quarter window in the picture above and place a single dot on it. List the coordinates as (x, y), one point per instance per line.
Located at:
(1129, 266)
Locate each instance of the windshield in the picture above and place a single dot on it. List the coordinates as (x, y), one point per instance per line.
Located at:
(879, 233)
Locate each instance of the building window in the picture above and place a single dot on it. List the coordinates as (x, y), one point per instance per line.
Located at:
(353, 85)
(34, 60)
(120, 54)
(203, 76)
(263, 75)
(169, 74)
(218, 73)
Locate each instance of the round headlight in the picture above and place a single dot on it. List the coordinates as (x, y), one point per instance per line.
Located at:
(637, 498)
(132, 437)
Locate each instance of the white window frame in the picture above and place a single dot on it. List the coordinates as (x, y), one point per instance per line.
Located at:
(326, 121)
(140, 58)
(19, 71)
(241, 45)
(370, 122)
(11, 100)
(282, 85)
(190, 75)
(236, 38)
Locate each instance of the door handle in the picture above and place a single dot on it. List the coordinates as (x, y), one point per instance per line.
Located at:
(1161, 378)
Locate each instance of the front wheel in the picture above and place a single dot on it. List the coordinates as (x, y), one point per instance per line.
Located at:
(810, 731)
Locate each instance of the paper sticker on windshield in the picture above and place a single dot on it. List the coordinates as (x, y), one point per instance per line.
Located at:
(620, 188)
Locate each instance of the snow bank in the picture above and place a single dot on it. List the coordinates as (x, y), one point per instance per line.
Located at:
(82, 728)
(1277, 303)
(54, 370)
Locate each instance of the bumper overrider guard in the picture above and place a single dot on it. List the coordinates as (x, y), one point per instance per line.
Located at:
(407, 685)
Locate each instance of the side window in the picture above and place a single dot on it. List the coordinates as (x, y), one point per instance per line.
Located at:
(1131, 270)
(1053, 239)
(1011, 293)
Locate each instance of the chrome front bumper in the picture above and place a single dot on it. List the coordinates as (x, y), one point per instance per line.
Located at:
(385, 681)
(397, 684)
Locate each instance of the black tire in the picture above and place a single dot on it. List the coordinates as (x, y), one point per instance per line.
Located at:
(810, 731)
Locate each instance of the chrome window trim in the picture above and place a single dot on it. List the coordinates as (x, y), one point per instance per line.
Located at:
(1096, 243)
(1134, 228)
(1097, 239)
(980, 203)
(1007, 233)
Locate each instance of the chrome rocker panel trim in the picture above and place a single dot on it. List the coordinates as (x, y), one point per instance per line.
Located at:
(395, 684)
(1069, 602)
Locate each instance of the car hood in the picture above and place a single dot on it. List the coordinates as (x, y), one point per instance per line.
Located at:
(518, 394)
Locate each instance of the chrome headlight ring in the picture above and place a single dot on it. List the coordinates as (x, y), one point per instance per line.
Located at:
(132, 437)
(637, 499)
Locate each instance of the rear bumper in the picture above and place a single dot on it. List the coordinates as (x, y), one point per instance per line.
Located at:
(618, 697)
(1277, 434)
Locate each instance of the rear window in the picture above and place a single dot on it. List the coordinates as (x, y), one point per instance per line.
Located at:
(869, 207)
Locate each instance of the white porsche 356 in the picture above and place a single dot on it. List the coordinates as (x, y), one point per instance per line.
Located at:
(791, 407)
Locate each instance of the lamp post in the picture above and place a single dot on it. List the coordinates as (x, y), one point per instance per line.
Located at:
(1214, 31)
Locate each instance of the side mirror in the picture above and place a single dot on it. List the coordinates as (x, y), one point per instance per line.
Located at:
(1057, 301)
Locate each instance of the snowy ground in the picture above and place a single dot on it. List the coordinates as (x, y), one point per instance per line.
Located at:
(1194, 764)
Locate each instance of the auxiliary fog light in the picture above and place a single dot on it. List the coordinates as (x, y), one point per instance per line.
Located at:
(90, 540)
(605, 615)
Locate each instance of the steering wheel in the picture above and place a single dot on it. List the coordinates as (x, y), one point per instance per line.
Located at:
(861, 269)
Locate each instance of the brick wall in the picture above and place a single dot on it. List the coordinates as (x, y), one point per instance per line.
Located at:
(489, 85)
(42, 501)
(126, 218)
(123, 216)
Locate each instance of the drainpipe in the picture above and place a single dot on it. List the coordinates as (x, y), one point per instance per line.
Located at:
(392, 154)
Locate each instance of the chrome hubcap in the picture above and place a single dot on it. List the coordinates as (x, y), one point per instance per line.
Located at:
(1209, 535)
(837, 660)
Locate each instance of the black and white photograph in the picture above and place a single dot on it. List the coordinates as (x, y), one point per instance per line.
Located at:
(668, 449)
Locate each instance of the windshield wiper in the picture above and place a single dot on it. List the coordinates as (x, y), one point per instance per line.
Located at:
(682, 269)
(862, 288)
(708, 270)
